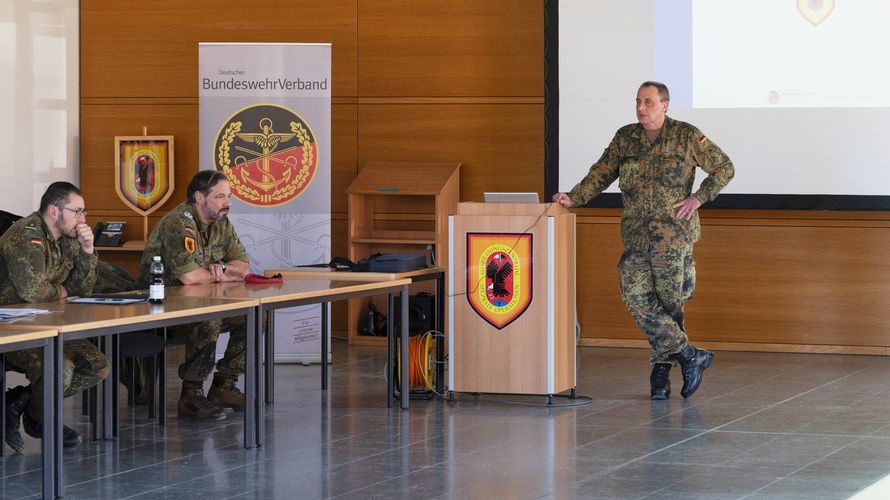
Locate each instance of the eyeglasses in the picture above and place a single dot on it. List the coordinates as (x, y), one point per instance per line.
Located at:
(78, 212)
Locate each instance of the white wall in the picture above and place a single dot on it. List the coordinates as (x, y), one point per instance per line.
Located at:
(39, 99)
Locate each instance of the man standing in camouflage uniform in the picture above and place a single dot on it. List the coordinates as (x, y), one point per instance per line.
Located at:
(198, 244)
(654, 161)
(46, 256)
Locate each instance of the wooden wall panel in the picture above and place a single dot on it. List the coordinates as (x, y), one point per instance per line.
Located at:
(806, 282)
(344, 155)
(451, 48)
(149, 48)
(99, 125)
(500, 147)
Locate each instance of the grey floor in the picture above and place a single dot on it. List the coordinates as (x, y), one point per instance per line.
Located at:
(762, 426)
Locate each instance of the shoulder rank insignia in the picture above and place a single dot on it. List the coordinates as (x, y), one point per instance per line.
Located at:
(188, 215)
(189, 244)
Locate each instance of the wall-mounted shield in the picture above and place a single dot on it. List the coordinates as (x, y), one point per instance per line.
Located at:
(144, 173)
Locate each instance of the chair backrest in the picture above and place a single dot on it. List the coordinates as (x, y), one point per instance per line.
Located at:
(7, 219)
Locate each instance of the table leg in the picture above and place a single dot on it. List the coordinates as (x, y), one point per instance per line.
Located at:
(115, 384)
(259, 406)
(250, 385)
(107, 389)
(57, 395)
(324, 346)
(390, 359)
(3, 402)
(49, 414)
(162, 380)
(406, 391)
(269, 356)
(440, 337)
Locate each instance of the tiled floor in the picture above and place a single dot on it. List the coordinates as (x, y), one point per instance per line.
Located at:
(762, 426)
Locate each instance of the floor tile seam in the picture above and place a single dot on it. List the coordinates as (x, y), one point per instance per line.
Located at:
(776, 404)
(799, 469)
(165, 486)
(649, 454)
(164, 463)
(118, 449)
(744, 365)
(597, 440)
(400, 476)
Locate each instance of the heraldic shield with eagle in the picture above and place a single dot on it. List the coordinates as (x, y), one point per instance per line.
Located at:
(499, 276)
(269, 154)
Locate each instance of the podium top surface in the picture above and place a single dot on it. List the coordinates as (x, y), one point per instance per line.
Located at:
(533, 209)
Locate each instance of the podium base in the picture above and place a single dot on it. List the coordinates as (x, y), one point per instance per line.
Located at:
(571, 399)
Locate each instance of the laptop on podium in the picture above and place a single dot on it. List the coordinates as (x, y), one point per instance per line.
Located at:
(493, 197)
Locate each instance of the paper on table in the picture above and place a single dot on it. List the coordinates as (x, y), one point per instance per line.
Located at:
(19, 313)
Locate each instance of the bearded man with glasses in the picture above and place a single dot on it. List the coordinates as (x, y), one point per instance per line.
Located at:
(47, 256)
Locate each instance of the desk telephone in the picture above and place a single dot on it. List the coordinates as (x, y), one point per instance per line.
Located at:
(108, 234)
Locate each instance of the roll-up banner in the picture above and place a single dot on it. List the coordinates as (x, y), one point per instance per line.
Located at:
(265, 120)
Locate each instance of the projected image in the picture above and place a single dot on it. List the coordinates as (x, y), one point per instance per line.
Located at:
(792, 90)
(769, 53)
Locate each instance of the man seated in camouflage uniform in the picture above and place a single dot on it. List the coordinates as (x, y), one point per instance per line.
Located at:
(198, 244)
(46, 256)
(654, 162)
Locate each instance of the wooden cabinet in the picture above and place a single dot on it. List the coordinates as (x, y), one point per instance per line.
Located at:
(399, 206)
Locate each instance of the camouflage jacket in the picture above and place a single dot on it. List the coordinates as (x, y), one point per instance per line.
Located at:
(32, 265)
(185, 244)
(654, 176)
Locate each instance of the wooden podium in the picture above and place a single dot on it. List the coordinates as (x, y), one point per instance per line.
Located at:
(511, 272)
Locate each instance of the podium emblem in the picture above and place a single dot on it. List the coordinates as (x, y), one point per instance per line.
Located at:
(499, 276)
(269, 154)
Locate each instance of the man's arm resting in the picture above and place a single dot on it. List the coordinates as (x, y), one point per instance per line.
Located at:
(234, 271)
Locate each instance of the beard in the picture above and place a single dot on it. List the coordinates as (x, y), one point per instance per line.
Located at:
(70, 232)
(220, 214)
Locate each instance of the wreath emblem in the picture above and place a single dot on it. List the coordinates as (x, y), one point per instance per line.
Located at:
(269, 154)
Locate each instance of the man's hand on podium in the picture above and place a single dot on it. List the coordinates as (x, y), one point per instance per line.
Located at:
(563, 199)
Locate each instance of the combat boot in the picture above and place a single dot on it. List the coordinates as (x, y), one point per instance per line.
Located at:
(34, 428)
(660, 381)
(693, 363)
(224, 393)
(16, 402)
(193, 404)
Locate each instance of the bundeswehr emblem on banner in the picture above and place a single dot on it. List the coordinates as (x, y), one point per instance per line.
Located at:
(815, 11)
(499, 276)
(269, 154)
(144, 174)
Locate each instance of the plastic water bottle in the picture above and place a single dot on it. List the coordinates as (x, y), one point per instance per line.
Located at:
(156, 287)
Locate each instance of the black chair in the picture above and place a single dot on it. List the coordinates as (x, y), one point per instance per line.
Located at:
(6, 220)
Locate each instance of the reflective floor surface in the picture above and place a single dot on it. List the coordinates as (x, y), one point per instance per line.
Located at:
(762, 426)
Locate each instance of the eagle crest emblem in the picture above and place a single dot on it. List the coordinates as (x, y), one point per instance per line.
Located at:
(499, 276)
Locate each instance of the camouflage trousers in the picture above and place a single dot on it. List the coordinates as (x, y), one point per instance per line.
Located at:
(655, 287)
(200, 348)
(84, 366)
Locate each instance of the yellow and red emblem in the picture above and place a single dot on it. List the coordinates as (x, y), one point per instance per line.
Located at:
(499, 276)
(190, 245)
(144, 175)
(269, 154)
